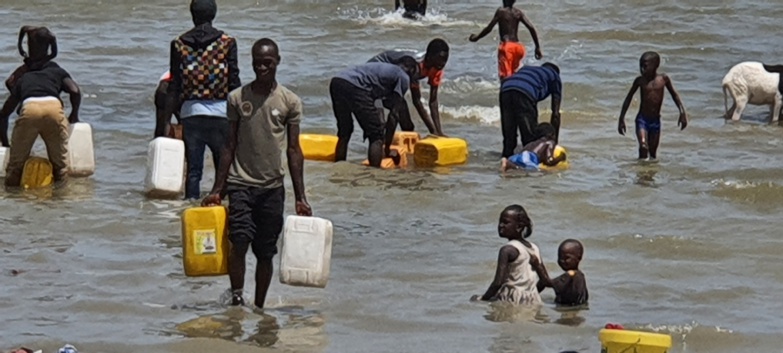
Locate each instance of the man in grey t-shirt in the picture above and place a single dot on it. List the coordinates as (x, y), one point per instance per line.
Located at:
(264, 120)
(354, 92)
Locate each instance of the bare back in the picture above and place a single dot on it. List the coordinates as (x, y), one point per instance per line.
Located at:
(508, 23)
(651, 95)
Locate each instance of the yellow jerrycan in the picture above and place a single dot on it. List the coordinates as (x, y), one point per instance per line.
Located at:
(318, 147)
(205, 241)
(37, 173)
(619, 341)
(440, 152)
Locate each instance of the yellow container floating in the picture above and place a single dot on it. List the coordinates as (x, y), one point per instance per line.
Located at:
(37, 173)
(559, 150)
(623, 341)
(204, 241)
(318, 147)
(388, 163)
(406, 140)
(440, 152)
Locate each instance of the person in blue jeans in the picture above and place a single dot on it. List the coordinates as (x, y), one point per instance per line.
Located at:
(204, 69)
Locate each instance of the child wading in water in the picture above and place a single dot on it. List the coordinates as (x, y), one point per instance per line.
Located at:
(515, 280)
(648, 120)
(536, 152)
(510, 51)
(570, 287)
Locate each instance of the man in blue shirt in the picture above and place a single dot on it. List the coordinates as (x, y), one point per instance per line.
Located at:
(519, 97)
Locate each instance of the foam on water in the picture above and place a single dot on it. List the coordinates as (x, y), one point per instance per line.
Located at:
(385, 17)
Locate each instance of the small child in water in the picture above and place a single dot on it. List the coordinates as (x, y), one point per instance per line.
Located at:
(648, 120)
(515, 280)
(571, 287)
(539, 151)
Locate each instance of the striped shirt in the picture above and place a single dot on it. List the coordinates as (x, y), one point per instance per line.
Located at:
(537, 82)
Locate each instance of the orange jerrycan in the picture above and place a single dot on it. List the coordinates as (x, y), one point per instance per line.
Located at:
(205, 241)
(37, 173)
(406, 140)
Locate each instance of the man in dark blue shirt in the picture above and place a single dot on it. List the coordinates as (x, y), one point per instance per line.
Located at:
(519, 97)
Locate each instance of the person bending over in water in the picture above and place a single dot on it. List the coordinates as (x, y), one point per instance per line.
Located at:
(414, 9)
(431, 67)
(510, 51)
(39, 41)
(648, 120)
(536, 152)
(515, 281)
(570, 287)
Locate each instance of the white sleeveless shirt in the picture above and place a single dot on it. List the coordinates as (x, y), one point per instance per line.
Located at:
(521, 285)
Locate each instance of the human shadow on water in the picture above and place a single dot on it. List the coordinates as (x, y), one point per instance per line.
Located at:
(507, 312)
(570, 316)
(289, 328)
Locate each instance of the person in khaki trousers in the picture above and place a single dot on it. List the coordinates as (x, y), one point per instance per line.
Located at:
(36, 93)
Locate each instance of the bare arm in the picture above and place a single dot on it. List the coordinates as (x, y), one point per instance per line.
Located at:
(486, 30)
(296, 169)
(5, 113)
(416, 97)
(683, 120)
(526, 22)
(543, 276)
(174, 90)
(626, 105)
(555, 119)
(506, 256)
(434, 110)
(76, 99)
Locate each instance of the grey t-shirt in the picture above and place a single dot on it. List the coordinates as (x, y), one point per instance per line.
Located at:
(380, 79)
(394, 56)
(261, 135)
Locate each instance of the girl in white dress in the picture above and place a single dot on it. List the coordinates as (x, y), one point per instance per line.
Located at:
(515, 279)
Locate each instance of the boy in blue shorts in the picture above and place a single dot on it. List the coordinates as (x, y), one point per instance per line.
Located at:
(648, 120)
(539, 151)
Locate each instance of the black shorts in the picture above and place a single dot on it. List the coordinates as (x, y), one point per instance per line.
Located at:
(348, 99)
(518, 112)
(255, 216)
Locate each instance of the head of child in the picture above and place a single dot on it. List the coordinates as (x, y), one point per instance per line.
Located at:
(39, 41)
(545, 130)
(410, 66)
(648, 64)
(509, 3)
(569, 254)
(437, 54)
(514, 223)
(203, 11)
(266, 57)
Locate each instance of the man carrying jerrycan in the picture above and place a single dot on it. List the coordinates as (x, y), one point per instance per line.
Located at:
(261, 116)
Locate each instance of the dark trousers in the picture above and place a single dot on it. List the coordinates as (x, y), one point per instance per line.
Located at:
(517, 112)
(200, 132)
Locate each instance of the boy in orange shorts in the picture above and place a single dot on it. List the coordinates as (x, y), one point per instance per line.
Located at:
(510, 51)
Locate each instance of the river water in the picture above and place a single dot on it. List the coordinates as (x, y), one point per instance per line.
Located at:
(688, 246)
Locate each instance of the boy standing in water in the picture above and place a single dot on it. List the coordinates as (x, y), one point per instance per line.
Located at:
(264, 119)
(515, 280)
(36, 91)
(431, 67)
(648, 120)
(571, 287)
(414, 9)
(204, 69)
(536, 152)
(510, 51)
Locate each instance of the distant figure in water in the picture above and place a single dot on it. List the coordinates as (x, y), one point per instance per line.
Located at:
(515, 280)
(414, 9)
(648, 120)
(570, 287)
(510, 51)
